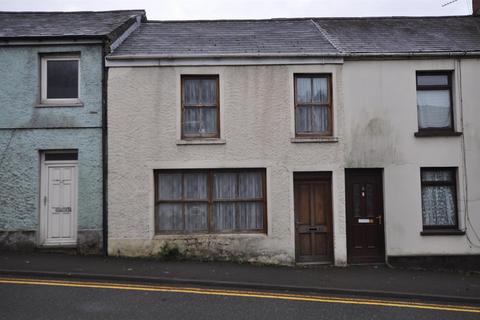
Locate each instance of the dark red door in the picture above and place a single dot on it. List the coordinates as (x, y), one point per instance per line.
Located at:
(313, 217)
(364, 205)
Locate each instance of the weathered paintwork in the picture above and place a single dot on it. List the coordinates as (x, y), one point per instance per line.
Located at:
(26, 130)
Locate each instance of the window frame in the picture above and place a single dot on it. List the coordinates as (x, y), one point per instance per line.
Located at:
(453, 184)
(449, 87)
(210, 201)
(184, 77)
(44, 82)
(310, 76)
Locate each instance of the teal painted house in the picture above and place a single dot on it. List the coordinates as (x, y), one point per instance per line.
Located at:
(52, 126)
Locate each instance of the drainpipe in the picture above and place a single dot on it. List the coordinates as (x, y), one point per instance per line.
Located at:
(105, 51)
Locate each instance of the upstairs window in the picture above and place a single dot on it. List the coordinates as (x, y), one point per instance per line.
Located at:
(200, 107)
(434, 101)
(439, 198)
(60, 80)
(313, 105)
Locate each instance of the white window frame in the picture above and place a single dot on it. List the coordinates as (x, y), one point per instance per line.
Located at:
(43, 85)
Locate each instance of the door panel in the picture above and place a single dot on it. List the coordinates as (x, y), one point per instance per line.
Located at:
(313, 217)
(60, 203)
(364, 205)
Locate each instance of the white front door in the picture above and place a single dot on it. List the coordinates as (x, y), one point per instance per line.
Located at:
(59, 199)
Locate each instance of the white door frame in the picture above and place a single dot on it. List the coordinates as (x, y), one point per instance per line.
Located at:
(44, 201)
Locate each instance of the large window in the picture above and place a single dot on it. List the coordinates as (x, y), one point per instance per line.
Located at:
(439, 198)
(60, 80)
(434, 101)
(200, 107)
(313, 105)
(210, 201)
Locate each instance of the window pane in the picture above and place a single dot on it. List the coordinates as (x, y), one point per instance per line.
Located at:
(195, 186)
(304, 90)
(196, 217)
(62, 79)
(224, 185)
(312, 119)
(224, 216)
(438, 206)
(437, 175)
(200, 121)
(170, 186)
(434, 109)
(250, 215)
(320, 90)
(319, 119)
(208, 92)
(169, 217)
(250, 185)
(191, 92)
(432, 80)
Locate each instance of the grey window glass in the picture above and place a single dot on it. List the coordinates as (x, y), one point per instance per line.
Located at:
(434, 109)
(196, 216)
(224, 215)
(224, 185)
(62, 79)
(312, 119)
(200, 107)
(200, 121)
(195, 186)
(320, 90)
(170, 217)
(250, 185)
(170, 186)
(250, 215)
(304, 90)
(432, 80)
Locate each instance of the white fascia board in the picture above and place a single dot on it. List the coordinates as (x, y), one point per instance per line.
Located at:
(227, 61)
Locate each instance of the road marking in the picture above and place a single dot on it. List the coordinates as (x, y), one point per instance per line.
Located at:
(236, 293)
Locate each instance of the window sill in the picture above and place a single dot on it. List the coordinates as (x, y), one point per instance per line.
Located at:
(201, 141)
(440, 232)
(315, 140)
(59, 105)
(437, 133)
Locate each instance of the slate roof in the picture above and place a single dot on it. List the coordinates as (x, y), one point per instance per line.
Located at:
(14, 25)
(404, 34)
(226, 37)
(304, 36)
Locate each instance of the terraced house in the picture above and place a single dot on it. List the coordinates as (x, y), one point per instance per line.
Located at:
(52, 100)
(342, 140)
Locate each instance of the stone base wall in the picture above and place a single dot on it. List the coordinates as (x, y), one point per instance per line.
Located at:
(88, 241)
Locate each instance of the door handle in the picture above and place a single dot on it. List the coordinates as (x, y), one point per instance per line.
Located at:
(379, 218)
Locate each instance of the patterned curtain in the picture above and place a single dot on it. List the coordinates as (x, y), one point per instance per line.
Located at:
(438, 202)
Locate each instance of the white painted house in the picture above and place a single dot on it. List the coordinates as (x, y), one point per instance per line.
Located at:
(286, 141)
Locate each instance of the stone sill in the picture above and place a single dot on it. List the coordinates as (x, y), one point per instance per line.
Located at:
(183, 236)
(201, 142)
(59, 105)
(437, 133)
(315, 140)
(444, 232)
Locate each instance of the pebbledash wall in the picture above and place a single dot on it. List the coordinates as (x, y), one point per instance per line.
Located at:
(257, 125)
(26, 130)
(380, 122)
(375, 118)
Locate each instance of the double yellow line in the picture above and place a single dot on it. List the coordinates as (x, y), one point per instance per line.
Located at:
(236, 293)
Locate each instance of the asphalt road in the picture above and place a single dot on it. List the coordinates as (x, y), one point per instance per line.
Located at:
(45, 299)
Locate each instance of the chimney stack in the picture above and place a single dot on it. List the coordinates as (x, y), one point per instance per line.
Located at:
(476, 7)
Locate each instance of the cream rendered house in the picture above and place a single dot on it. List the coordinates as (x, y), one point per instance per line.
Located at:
(286, 141)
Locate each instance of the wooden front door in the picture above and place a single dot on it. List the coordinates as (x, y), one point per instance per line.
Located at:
(364, 205)
(313, 217)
